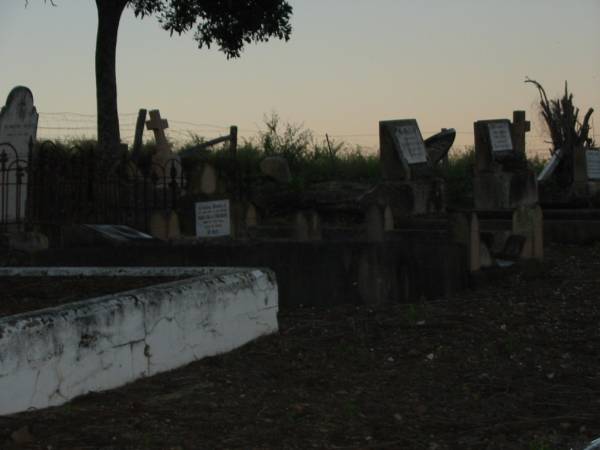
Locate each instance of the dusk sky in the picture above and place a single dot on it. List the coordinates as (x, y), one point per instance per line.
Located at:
(348, 65)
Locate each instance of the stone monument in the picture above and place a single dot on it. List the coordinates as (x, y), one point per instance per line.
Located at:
(407, 164)
(163, 159)
(18, 129)
(503, 179)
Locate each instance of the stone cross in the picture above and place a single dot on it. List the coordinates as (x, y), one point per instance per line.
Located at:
(158, 126)
(520, 126)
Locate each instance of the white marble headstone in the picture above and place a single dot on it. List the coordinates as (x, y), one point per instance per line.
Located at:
(18, 126)
(18, 121)
(213, 219)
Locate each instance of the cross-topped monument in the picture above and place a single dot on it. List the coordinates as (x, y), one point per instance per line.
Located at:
(503, 179)
(163, 159)
(158, 126)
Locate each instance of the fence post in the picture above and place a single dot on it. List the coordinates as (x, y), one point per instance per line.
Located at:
(139, 131)
(233, 136)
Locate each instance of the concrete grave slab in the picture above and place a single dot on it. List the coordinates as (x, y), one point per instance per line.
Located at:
(50, 356)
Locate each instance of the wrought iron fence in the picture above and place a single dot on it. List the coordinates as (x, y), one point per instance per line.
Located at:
(57, 186)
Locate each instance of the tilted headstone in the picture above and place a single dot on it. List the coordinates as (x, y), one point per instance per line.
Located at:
(18, 129)
(550, 167)
(402, 149)
(407, 162)
(438, 145)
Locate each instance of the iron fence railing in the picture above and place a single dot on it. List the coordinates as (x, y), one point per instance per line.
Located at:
(56, 186)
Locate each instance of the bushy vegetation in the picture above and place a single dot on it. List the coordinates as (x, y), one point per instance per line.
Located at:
(459, 178)
(312, 160)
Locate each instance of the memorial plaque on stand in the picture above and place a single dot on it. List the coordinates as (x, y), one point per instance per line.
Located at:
(213, 219)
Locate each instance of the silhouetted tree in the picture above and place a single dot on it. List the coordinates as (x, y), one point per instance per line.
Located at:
(229, 24)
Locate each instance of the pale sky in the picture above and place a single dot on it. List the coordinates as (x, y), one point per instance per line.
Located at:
(348, 65)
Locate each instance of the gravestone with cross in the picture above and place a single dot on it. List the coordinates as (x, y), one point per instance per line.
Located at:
(503, 180)
(18, 129)
(407, 163)
(164, 161)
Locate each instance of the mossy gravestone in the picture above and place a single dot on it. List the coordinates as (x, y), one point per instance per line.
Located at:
(18, 128)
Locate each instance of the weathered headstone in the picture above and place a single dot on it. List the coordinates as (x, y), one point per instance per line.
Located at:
(407, 163)
(18, 121)
(503, 179)
(251, 216)
(277, 168)
(164, 225)
(18, 129)
(402, 148)
(213, 219)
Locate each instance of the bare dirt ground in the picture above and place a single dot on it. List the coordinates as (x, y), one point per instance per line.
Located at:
(512, 364)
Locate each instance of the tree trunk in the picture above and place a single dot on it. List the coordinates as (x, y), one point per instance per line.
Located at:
(109, 15)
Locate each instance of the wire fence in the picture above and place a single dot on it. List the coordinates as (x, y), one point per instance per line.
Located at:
(73, 125)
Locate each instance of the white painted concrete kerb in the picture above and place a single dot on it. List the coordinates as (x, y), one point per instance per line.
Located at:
(50, 356)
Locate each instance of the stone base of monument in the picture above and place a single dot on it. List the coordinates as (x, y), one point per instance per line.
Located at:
(50, 356)
(409, 198)
(499, 190)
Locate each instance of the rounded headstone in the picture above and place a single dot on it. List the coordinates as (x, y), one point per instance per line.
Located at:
(277, 168)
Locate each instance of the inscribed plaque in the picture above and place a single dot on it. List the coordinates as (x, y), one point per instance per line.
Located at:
(410, 143)
(500, 137)
(593, 164)
(213, 219)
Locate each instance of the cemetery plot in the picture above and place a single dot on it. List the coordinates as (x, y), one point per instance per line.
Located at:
(25, 294)
(510, 365)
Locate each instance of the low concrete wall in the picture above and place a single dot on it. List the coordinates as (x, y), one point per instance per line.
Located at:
(50, 356)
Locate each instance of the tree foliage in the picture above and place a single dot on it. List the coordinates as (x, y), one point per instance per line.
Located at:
(227, 23)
